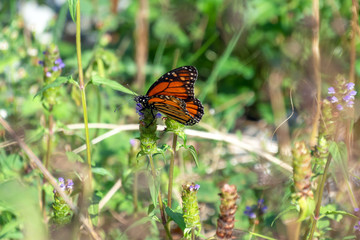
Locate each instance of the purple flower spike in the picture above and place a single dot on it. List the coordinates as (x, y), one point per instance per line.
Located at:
(347, 98)
(350, 103)
(197, 187)
(333, 99)
(58, 61)
(48, 74)
(261, 201)
(158, 115)
(132, 142)
(350, 86)
(356, 209)
(61, 65)
(139, 107)
(41, 63)
(61, 179)
(353, 93)
(62, 186)
(339, 107)
(69, 184)
(55, 68)
(331, 90)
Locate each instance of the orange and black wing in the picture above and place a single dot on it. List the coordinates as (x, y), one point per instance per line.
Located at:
(187, 113)
(178, 83)
(195, 109)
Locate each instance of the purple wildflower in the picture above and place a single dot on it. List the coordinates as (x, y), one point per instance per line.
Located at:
(48, 74)
(333, 99)
(352, 93)
(331, 90)
(348, 98)
(350, 104)
(342, 94)
(350, 86)
(357, 226)
(255, 210)
(58, 61)
(193, 187)
(158, 115)
(250, 212)
(339, 107)
(132, 142)
(55, 68)
(62, 186)
(41, 62)
(139, 109)
(69, 184)
(61, 65)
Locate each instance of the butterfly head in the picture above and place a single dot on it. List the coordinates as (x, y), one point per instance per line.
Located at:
(143, 100)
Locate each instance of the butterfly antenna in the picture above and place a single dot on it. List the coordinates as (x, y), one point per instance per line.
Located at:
(134, 93)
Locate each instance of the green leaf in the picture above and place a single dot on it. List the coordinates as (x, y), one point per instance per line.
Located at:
(72, 9)
(101, 171)
(262, 236)
(339, 153)
(10, 230)
(177, 217)
(154, 189)
(194, 154)
(94, 208)
(73, 157)
(290, 209)
(58, 82)
(97, 80)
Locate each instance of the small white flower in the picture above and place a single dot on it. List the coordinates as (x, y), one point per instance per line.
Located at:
(32, 52)
(3, 113)
(4, 45)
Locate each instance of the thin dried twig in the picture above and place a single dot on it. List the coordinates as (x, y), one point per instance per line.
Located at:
(109, 194)
(35, 160)
(247, 145)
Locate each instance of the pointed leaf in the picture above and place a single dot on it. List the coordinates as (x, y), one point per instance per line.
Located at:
(72, 9)
(101, 171)
(176, 217)
(94, 208)
(194, 154)
(339, 153)
(73, 157)
(58, 82)
(97, 80)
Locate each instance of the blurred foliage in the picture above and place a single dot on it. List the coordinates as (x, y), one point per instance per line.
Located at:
(235, 45)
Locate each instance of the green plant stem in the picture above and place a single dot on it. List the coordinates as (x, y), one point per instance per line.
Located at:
(135, 192)
(252, 230)
(171, 170)
(162, 211)
(319, 194)
(171, 174)
(47, 157)
(82, 90)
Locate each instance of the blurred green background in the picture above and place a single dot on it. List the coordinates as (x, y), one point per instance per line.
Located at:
(250, 56)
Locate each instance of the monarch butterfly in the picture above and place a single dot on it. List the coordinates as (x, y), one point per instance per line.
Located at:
(173, 94)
